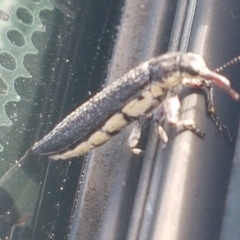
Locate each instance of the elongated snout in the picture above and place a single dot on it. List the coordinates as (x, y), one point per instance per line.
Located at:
(220, 81)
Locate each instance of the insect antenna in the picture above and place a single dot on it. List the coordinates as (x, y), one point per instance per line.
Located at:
(228, 64)
(15, 167)
(210, 96)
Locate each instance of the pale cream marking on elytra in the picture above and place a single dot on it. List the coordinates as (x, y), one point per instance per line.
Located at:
(138, 107)
(156, 89)
(98, 138)
(115, 123)
(172, 80)
(81, 149)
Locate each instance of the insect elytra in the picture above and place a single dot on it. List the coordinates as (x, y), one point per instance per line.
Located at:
(142, 92)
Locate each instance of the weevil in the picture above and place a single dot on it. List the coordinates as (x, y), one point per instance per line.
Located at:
(145, 91)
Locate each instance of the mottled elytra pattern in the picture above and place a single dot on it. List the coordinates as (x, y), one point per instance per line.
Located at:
(139, 93)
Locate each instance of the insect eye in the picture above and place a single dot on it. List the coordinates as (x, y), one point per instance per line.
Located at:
(194, 68)
(191, 64)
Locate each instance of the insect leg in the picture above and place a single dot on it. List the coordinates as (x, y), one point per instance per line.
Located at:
(169, 111)
(188, 124)
(134, 138)
(211, 111)
(208, 86)
(162, 134)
